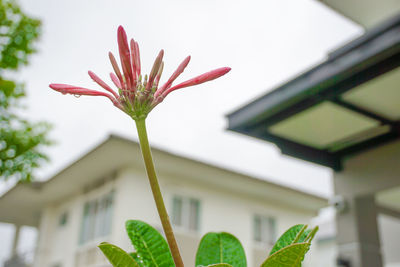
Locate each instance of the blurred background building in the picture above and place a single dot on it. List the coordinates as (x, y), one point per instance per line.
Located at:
(89, 201)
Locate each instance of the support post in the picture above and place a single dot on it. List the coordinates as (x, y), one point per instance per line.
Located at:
(14, 251)
(358, 237)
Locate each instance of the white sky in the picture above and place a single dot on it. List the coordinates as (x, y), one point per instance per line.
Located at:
(264, 42)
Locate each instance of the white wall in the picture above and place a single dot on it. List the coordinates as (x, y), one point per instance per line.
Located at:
(370, 172)
(221, 210)
(60, 244)
(389, 232)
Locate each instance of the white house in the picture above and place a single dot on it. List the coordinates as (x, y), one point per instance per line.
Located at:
(89, 201)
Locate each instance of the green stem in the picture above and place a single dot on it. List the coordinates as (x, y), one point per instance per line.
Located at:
(155, 188)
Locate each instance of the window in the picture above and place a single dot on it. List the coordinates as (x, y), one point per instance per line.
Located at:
(177, 211)
(63, 219)
(186, 213)
(264, 229)
(96, 220)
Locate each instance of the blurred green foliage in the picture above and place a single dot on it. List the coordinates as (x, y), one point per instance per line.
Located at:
(21, 141)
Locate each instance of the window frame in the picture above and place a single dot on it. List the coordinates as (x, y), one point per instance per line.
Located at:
(265, 233)
(63, 219)
(188, 221)
(96, 219)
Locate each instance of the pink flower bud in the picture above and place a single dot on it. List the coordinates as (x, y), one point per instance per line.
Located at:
(124, 54)
(208, 76)
(115, 80)
(78, 91)
(137, 96)
(154, 70)
(102, 83)
(173, 77)
(116, 68)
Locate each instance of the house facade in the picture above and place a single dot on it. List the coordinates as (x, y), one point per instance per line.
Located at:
(89, 201)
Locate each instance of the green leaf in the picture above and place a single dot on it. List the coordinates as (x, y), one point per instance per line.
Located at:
(20, 31)
(151, 247)
(216, 248)
(138, 260)
(290, 256)
(311, 234)
(290, 236)
(21, 141)
(117, 256)
(220, 265)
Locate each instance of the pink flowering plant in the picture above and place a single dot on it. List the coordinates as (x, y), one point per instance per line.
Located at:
(137, 95)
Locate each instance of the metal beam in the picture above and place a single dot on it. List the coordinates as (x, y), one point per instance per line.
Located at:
(288, 147)
(368, 144)
(363, 111)
(388, 211)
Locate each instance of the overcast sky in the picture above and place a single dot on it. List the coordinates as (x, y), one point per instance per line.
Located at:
(264, 42)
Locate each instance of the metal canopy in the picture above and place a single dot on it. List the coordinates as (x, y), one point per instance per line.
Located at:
(347, 104)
